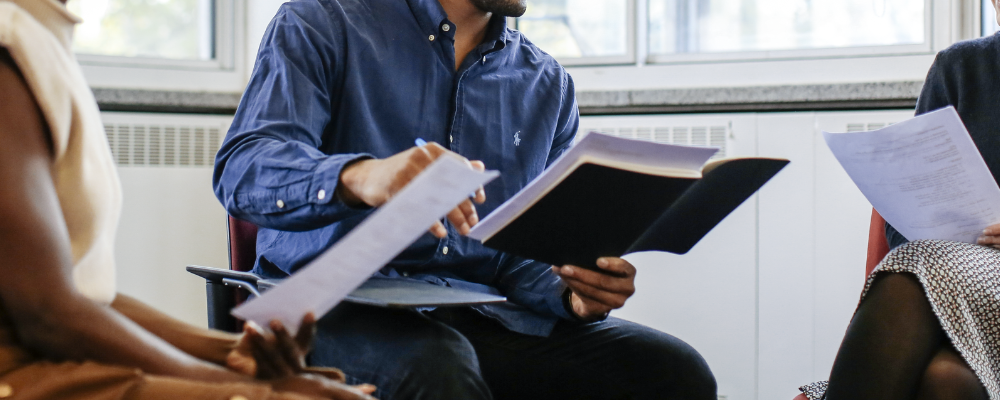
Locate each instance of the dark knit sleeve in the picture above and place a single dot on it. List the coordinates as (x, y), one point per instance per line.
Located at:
(938, 91)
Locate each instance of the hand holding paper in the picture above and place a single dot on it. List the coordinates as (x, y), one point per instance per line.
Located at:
(325, 281)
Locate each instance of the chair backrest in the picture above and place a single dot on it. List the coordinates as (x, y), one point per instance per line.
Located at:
(878, 247)
(242, 244)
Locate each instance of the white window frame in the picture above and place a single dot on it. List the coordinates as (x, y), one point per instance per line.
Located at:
(946, 21)
(225, 73)
(859, 51)
(631, 34)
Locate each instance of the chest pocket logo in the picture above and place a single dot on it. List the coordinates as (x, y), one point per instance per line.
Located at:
(517, 138)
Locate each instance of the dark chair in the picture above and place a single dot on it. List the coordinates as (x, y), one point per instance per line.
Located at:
(227, 289)
(878, 247)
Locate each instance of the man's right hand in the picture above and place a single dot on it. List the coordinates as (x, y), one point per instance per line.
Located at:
(373, 182)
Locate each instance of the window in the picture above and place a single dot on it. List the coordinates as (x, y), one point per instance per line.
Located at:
(169, 29)
(989, 22)
(587, 31)
(715, 26)
(595, 32)
(161, 44)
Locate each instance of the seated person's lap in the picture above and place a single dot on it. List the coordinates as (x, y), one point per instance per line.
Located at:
(457, 353)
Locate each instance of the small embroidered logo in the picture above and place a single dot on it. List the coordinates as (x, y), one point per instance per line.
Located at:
(517, 138)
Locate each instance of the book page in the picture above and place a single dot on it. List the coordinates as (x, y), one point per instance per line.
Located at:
(609, 150)
(325, 281)
(924, 176)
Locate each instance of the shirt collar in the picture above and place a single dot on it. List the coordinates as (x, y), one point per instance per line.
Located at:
(430, 16)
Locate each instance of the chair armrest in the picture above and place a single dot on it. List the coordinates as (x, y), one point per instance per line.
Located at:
(216, 275)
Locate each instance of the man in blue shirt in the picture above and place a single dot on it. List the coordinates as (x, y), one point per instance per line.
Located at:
(325, 133)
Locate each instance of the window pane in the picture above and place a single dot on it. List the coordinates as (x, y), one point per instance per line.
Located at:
(989, 19)
(176, 29)
(577, 28)
(703, 26)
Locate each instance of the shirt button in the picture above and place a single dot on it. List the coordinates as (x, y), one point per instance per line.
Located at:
(431, 38)
(445, 27)
(321, 195)
(238, 397)
(281, 204)
(406, 274)
(6, 391)
(450, 139)
(484, 59)
(444, 250)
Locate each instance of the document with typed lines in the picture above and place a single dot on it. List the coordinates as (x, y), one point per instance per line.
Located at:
(925, 176)
(329, 278)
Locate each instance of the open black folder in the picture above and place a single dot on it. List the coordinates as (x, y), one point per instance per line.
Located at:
(609, 196)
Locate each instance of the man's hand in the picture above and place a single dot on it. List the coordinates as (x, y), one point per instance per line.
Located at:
(595, 294)
(275, 354)
(373, 182)
(990, 237)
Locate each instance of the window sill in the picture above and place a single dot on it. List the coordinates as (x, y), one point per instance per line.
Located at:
(832, 97)
(163, 101)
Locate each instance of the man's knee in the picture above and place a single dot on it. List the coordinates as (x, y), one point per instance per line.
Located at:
(673, 369)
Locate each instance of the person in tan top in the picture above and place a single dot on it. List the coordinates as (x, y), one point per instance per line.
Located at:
(64, 333)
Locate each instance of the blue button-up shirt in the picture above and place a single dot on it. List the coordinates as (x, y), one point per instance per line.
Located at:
(337, 81)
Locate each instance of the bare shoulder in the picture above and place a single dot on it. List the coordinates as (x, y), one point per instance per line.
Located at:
(23, 122)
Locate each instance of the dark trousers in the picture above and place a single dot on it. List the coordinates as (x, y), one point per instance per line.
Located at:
(458, 354)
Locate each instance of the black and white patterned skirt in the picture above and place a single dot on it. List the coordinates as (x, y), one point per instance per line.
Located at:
(962, 282)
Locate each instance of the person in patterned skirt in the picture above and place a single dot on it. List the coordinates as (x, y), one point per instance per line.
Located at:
(928, 326)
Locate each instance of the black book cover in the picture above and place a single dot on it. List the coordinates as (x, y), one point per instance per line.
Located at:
(600, 211)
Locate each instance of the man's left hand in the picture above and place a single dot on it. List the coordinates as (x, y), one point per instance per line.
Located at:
(595, 294)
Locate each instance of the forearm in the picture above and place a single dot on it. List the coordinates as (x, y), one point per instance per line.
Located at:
(533, 285)
(281, 183)
(75, 328)
(206, 344)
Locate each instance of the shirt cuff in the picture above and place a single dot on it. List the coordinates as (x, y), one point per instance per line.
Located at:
(326, 179)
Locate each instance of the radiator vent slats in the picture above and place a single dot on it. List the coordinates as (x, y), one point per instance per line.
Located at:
(714, 135)
(163, 145)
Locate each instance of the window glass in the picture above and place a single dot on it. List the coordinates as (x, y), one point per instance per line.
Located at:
(989, 19)
(577, 28)
(705, 26)
(172, 29)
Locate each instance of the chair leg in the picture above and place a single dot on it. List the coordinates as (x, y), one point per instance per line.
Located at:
(221, 300)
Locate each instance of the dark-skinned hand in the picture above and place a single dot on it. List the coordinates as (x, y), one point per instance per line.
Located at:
(595, 294)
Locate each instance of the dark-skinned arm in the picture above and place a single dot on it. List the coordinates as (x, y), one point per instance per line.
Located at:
(206, 344)
(49, 315)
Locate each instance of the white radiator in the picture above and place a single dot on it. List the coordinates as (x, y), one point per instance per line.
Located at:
(170, 217)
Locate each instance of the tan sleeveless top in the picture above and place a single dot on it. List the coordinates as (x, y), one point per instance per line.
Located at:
(38, 35)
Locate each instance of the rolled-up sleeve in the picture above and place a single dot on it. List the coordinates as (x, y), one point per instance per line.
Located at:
(270, 169)
(533, 285)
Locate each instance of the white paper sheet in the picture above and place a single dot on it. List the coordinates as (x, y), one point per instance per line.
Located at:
(596, 145)
(924, 176)
(325, 281)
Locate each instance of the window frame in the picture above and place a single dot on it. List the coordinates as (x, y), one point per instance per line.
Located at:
(839, 52)
(946, 21)
(631, 34)
(225, 72)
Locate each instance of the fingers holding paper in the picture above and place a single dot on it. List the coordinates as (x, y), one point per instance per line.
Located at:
(373, 182)
(990, 237)
(268, 355)
(594, 294)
